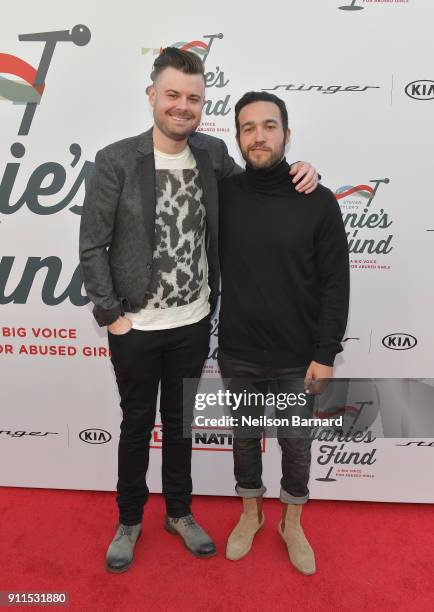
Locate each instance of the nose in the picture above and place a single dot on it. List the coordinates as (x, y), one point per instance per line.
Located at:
(182, 103)
(260, 135)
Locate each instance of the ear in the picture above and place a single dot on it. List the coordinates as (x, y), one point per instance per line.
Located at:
(150, 90)
(288, 136)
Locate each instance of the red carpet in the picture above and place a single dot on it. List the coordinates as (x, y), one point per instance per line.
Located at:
(370, 556)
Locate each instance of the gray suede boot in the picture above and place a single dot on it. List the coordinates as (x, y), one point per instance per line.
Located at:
(120, 552)
(195, 538)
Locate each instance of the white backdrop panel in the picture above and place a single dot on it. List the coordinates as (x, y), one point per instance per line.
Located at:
(309, 52)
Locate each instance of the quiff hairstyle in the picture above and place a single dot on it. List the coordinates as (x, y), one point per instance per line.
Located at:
(185, 61)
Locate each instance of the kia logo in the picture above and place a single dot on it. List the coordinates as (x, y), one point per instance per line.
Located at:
(399, 342)
(420, 90)
(95, 436)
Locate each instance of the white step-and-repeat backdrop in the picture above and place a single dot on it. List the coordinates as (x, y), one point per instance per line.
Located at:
(358, 79)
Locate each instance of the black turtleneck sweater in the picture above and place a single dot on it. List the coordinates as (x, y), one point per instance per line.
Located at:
(285, 271)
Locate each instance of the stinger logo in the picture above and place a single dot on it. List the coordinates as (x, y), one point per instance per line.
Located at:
(418, 443)
(28, 90)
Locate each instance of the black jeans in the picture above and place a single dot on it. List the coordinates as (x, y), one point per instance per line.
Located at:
(141, 359)
(295, 443)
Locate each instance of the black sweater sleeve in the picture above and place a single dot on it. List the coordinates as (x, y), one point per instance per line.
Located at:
(334, 278)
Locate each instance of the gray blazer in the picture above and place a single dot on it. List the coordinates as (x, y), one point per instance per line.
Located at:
(118, 221)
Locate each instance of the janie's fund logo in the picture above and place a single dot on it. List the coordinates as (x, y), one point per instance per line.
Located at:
(50, 187)
(367, 224)
(28, 90)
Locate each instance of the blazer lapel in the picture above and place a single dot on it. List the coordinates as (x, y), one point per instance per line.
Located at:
(146, 179)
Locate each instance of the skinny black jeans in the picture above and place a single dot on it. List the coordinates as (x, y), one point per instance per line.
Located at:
(142, 360)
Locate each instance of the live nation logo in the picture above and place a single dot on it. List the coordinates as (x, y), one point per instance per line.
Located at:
(203, 439)
(215, 107)
(358, 5)
(367, 224)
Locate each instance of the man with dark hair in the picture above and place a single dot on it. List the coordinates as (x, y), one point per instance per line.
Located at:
(284, 305)
(149, 262)
(263, 96)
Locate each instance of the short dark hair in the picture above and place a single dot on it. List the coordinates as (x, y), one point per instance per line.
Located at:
(260, 96)
(185, 61)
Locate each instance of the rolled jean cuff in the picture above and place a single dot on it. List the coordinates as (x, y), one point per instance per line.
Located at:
(250, 493)
(287, 498)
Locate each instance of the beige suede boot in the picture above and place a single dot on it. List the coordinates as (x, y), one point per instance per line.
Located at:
(241, 539)
(299, 550)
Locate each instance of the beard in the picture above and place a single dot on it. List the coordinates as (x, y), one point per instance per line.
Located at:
(266, 161)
